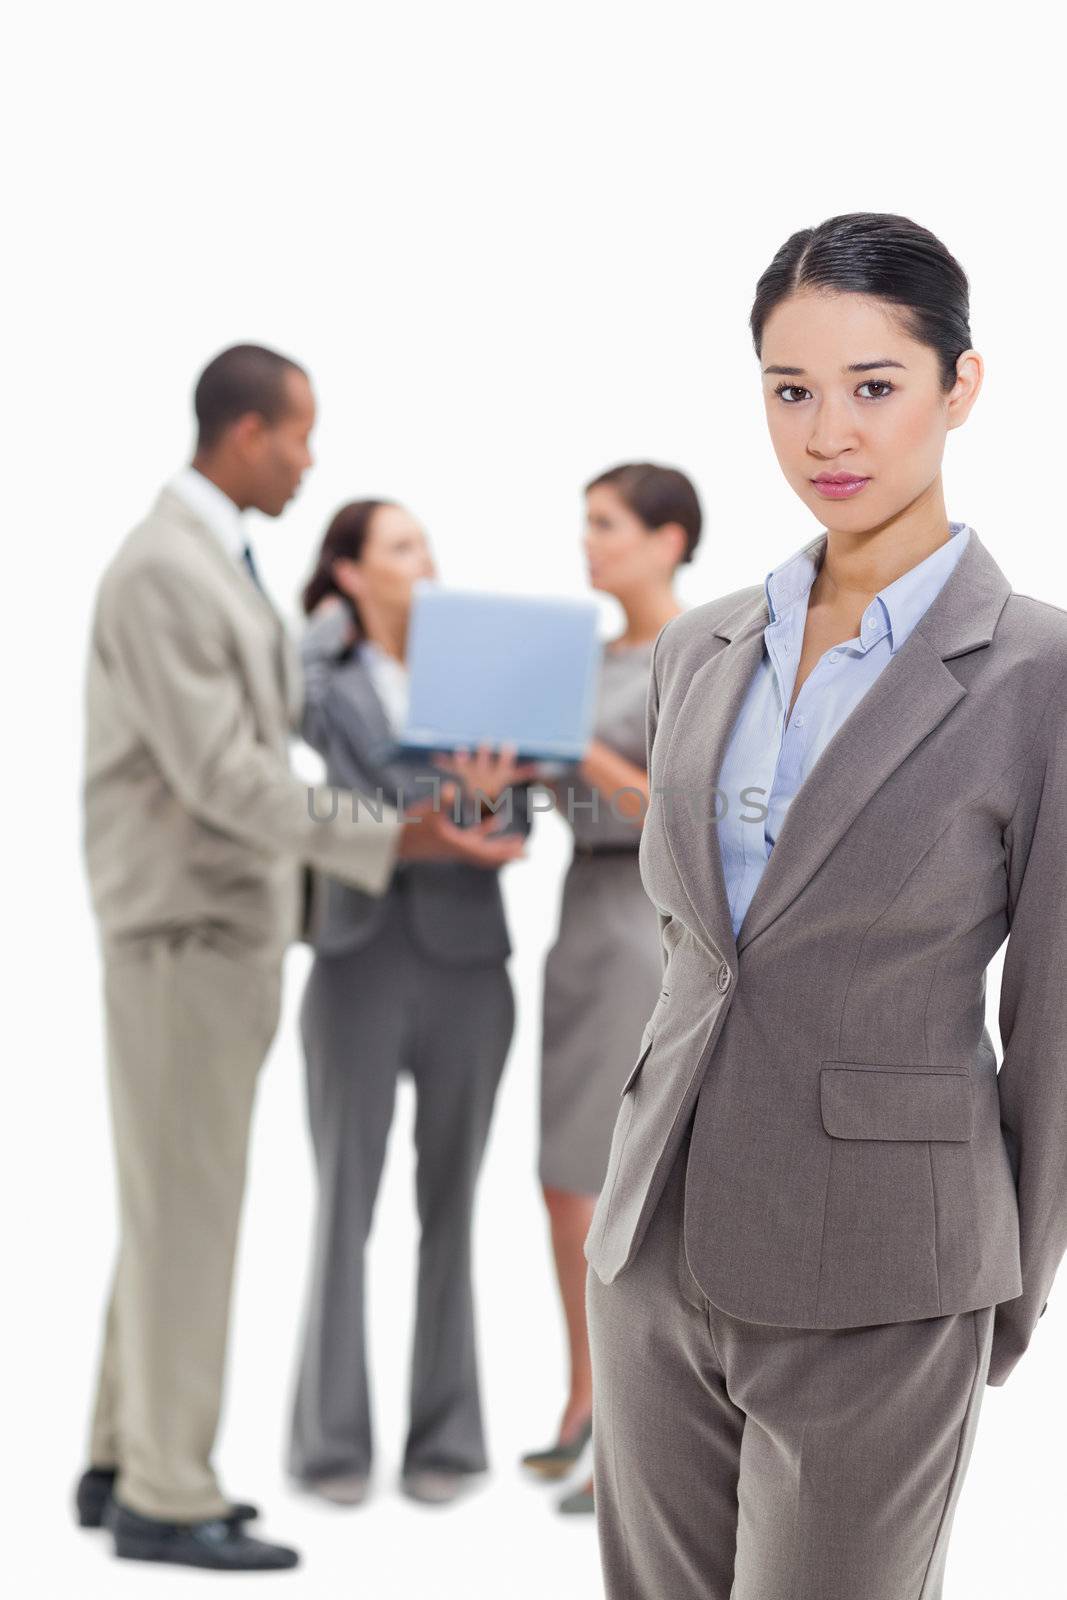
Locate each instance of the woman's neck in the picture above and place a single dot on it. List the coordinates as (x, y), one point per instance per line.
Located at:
(646, 613)
(386, 628)
(856, 566)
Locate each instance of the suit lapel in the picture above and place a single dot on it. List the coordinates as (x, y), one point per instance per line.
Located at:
(378, 735)
(910, 697)
(248, 592)
(914, 692)
(686, 775)
(292, 677)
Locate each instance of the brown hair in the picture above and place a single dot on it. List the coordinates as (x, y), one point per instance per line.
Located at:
(344, 539)
(657, 495)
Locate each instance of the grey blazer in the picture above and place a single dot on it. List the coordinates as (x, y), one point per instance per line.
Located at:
(455, 912)
(856, 1157)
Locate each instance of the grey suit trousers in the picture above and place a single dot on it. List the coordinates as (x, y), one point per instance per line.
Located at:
(367, 1015)
(190, 1018)
(744, 1461)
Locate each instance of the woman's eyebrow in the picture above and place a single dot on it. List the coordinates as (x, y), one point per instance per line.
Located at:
(854, 366)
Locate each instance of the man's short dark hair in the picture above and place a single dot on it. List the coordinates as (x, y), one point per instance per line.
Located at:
(244, 378)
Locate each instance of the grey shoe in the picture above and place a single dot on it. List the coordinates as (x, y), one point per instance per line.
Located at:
(578, 1503)
(345, 1489)
(558, 1459)
(433, 1486)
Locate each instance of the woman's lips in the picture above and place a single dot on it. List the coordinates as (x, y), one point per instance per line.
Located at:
(842, 486)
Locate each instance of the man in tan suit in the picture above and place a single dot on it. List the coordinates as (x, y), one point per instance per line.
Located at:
(198, 842)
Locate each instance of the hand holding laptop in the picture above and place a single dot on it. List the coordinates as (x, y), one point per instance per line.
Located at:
(488, 771)
(429, 834)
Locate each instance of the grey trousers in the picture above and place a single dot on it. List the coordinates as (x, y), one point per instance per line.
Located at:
(368, 1015)
(741, 1461)
(189, 1021)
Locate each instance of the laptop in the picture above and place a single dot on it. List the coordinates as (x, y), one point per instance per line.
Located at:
(506, 669)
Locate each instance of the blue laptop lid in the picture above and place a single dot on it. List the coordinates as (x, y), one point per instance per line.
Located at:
(510, 669)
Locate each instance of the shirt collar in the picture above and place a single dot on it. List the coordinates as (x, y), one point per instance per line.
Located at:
(214, 508)
(381, 658)
(898, 606)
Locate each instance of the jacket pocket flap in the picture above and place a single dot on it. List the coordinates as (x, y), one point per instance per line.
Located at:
(639, 1063)
(646, 1041)
(886, 1103)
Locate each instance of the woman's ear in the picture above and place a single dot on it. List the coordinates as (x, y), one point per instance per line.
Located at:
(673, 535)
(347, 576)
(970, 370)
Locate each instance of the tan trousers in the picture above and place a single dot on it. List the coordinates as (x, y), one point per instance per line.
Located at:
(742, 1461)
(190, 1018)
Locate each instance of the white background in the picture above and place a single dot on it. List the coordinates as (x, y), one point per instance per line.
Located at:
(513, 245)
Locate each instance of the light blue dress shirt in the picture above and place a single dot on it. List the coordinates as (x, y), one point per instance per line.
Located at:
(771, 762)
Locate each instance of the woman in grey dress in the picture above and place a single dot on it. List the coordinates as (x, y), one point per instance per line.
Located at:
(602, 975)
(413, 981)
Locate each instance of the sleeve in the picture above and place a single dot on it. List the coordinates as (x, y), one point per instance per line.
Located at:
(1032, 1081)
(173, 669)
(652, 702)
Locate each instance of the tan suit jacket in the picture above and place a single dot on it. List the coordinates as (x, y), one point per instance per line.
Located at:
(856, 1158)
(194, 690)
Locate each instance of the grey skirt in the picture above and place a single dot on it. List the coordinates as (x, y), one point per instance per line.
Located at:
(602, 981)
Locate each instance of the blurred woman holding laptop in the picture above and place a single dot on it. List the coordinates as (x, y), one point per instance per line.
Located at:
(413, 981)
(602, 975)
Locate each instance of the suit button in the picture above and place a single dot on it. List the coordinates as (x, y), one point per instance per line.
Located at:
(723, 977)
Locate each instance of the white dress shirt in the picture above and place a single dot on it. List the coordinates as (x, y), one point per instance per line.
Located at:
(390, 679)
(215, 509)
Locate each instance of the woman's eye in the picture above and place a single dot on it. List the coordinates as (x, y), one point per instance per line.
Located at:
(790, 392)
(873, 389)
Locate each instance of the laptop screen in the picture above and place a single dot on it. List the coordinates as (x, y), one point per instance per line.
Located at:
(507, 669)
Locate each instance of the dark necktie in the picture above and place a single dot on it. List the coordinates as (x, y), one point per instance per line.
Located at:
(246, 557)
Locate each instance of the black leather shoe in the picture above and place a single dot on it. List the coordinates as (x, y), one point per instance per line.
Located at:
(219, 1544)
(94, 1492)
(92, 1495)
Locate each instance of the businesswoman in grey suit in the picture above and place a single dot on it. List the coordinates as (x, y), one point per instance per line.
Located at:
(417, 982)
(602, 975)
(828, 1220)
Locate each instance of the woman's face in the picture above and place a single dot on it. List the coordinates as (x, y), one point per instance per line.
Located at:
(622, 555)
(851, 396)
(394, 557)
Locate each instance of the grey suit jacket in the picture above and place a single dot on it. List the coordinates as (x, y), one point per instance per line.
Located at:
(191, 814)
(856, 1157)
(455, 912)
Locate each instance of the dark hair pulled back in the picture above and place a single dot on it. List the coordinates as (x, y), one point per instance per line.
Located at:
(344, 539)
(887, 257)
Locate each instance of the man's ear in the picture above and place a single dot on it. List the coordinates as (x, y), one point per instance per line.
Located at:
(248, 431)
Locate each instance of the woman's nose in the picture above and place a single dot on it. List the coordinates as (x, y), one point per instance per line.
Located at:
(832, 431)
